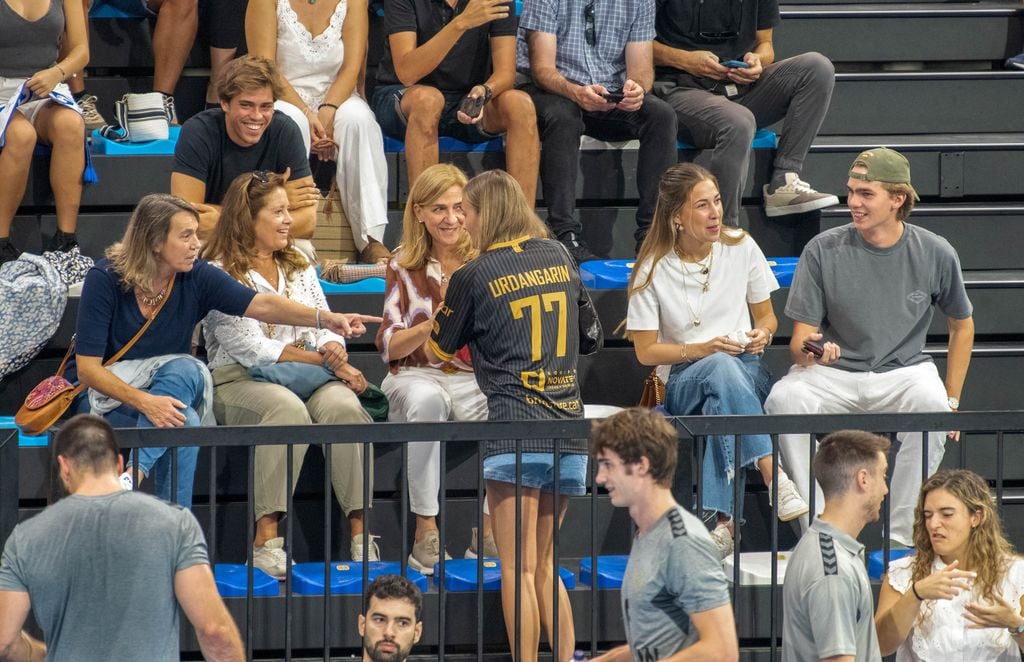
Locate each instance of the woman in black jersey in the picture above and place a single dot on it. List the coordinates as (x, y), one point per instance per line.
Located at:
(521, 308)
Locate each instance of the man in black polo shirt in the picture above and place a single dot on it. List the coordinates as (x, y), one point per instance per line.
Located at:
(440, 52)
(245, 134)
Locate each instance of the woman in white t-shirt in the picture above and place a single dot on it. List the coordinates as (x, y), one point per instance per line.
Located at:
(699, 303)
(960, 596)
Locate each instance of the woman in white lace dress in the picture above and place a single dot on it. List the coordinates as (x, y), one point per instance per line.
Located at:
(960, 596)
(320, 48)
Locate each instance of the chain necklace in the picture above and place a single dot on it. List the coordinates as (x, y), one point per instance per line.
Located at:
(269, 328)
(704, 266)
(153, 301)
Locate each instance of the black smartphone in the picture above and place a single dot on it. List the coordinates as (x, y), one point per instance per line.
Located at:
(814, 348)
(472, 106)
(614, 97)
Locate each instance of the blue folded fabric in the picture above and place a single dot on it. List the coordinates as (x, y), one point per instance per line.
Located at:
(301, 378)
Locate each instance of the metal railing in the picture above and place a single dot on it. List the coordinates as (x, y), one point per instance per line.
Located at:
(337, 615)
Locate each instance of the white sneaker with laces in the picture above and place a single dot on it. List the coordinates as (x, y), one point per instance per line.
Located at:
(91, 115)
(795, 197)
(356, 548)
(791, 504)
(426, 553)
(271, 558)
(721, 535)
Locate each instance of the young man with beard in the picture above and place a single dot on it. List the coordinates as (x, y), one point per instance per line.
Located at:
(827, 597)
(390, 623)
(675, 599)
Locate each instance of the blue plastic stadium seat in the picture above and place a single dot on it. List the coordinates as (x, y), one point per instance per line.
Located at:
(783, 268)
(606, 274)
(23, 439)
(448, 144)
(763, 139)
(346, 576)
(876, 560)
(610, 570)
(104, 9)
(232, 581)
(101, 145)
(372, 285)
(460, 575)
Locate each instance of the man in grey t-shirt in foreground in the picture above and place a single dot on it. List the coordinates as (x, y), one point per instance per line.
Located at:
(865, 291)
(104, 571)
(674, 593)
(826, 597)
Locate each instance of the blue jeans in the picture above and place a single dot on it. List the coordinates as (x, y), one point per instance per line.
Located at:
(184, 380)
(722, 385)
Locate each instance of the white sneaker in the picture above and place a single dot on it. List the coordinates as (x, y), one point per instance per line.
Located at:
(356, 548)
(91, 114)
(426, 553)
(271, 558)
(721, 535)
(795, 197)
(791, 504)
(127, 484)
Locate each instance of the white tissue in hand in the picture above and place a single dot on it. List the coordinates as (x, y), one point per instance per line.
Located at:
(739, 337)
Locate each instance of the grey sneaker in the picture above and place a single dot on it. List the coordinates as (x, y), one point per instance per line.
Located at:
(356, 548)
(271, 558)
(795, 197)
(426, 553)
(490, 549)
(791, 504)
(93, 118)
(721, 535)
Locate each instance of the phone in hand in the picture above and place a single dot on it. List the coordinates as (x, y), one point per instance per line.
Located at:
(734, 64)
(472, 106)
(815, 348)
(614, 97)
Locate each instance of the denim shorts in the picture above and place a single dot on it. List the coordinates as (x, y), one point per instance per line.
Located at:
(538, 471)
(386, 104)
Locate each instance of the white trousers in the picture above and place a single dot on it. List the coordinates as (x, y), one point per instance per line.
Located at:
(362, 174)
(424, 395)
(820, 389)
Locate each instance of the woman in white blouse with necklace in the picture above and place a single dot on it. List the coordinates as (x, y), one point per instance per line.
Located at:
(252, 243)
(960, 596)
(320, 49)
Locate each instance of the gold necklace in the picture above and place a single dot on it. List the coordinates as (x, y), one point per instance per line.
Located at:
(269, 328)
(153, 301)
(704, 269)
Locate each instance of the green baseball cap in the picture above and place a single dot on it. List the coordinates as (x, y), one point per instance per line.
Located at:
(883, 165)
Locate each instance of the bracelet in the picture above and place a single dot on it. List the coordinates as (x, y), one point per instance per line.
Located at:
(913, 587)
(771, 336)
(329, 105)
(63, 75)
(682, 353)
(488, 92)
(318, 327)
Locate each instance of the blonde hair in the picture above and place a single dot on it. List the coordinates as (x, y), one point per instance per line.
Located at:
(502, 208)
(989, 553)
(674, 191)
(428, 187)
(148, 230)
(908, 202)
(233, 241)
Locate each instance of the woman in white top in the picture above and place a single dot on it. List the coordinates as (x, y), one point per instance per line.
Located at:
(252, 243)
(961, 595)
(694, 291)
(320, 48)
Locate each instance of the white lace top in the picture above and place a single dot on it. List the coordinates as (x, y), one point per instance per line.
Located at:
(309, 63)
(945, 637)
(231, 339)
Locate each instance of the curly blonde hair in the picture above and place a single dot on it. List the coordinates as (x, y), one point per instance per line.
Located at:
(989, 553)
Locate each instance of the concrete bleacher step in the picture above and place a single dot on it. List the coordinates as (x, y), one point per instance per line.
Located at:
(926, 103)
(918, 32)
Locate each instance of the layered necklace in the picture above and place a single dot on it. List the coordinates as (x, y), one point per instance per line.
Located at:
(153, 301)
(700, 275)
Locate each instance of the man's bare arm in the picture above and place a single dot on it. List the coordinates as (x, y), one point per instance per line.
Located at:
(215, 629)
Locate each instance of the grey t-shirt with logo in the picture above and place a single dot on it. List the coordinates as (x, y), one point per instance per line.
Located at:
(100, 570)
(673, 571)
(877, 303)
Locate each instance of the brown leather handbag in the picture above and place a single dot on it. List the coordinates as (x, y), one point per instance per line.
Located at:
(654, 390)
(52, 397)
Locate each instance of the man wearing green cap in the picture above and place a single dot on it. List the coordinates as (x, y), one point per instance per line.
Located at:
(864, 293)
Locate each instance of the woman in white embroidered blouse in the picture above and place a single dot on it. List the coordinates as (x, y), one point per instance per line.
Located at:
(320, 48)
(961, 595)
(252, 243)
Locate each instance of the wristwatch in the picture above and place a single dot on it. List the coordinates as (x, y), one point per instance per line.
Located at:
(1017, 631)
(954, 403)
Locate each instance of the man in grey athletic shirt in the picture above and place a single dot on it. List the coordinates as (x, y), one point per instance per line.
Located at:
(104, 571)
(827, 597)
(674, 593)
(867, 291)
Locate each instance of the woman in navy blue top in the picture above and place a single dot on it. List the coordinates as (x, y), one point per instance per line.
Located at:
(157, 383)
